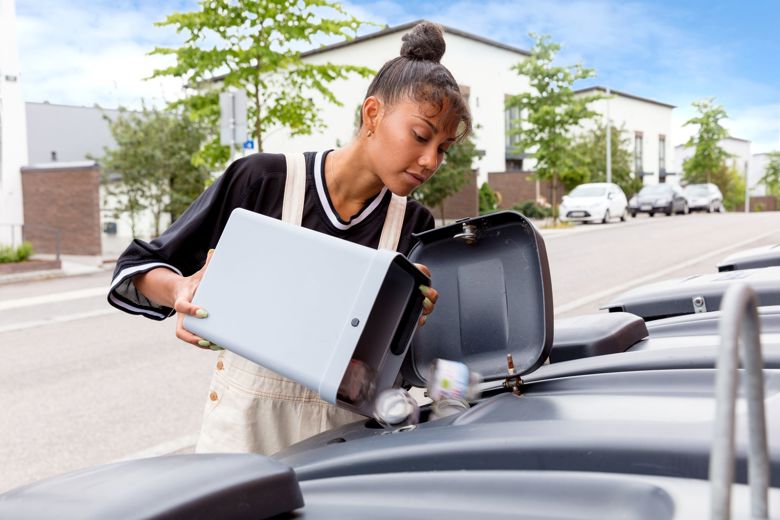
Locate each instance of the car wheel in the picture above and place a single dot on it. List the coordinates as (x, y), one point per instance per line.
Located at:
(633, 214)
(606, 217)
(686, 209)
(623, 216)
(670, 211)
(710, 208)
(652, 213)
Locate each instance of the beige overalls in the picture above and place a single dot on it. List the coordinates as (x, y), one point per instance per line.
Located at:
(251, 408)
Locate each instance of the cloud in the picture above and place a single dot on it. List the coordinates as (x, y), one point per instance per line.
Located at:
(84, 53)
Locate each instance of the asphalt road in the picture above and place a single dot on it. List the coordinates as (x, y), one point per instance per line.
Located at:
(82, 384)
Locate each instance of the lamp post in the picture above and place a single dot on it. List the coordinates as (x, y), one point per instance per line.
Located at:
(609, 142)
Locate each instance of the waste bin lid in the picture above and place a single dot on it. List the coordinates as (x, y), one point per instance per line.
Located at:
(495, 297)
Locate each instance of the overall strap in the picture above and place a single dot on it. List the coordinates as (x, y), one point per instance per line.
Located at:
(294, 189)
(394, 221)
(294, 195)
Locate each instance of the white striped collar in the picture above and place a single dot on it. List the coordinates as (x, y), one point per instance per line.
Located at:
(319, 180)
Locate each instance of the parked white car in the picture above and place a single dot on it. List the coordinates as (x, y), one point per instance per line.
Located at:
(594, 202)
(704, 197)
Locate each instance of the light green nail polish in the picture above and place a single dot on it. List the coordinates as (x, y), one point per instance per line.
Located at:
(216, 347)
(204, 343)
(424, 289)
(201, 313)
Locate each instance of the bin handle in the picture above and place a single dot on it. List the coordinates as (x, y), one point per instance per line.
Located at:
(739, 319)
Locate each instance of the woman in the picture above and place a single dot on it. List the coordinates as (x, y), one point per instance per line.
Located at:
(412, 113)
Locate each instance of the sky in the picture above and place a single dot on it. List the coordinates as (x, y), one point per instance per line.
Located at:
(87, 52)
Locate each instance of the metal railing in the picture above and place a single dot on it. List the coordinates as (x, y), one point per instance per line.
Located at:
(739, 321)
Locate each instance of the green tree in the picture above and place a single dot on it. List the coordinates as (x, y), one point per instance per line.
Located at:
(708, 159)
(451, 176)
(732, 184)
(488, 201)
(551, 112)
(771, 177)
(152, 166)
(252, 46)
(590, 155)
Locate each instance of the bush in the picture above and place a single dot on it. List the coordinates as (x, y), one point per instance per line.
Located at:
(9, 255)
(488, 201)
(531, 209)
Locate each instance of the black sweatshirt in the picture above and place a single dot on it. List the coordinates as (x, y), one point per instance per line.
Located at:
(255, 183)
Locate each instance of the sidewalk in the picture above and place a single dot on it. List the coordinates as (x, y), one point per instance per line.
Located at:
(72, 265)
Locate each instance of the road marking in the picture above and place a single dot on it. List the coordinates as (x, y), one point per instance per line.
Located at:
(53, 298)
(57, 319)
(165, 448)
(644, 279)
(590, 228)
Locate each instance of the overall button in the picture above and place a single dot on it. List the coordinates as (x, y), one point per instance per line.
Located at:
(213, 396)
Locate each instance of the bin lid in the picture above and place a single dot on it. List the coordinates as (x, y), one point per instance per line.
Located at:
(695, 294)
(495, 297)
(765, 256)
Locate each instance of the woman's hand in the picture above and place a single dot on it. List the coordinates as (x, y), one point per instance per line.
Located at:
(184, 291)
(430, 295)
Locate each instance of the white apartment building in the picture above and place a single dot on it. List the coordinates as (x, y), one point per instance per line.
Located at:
(648, 126)
(741, 158)
(484, 70)
(13, 136)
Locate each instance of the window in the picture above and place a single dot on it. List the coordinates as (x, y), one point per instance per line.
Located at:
(514, 165)
(638, 153)
(661, 154)
(511, 123)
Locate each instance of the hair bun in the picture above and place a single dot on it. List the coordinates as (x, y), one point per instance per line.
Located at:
(424, 42)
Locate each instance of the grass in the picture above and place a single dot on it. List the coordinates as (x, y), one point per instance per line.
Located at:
(559, 225)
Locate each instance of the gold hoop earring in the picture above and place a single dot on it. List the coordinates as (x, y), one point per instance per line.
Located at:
(370, 133)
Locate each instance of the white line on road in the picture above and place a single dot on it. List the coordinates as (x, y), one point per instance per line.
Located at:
(57, 319)
(165, 448)
(53, 298)
(658, 274)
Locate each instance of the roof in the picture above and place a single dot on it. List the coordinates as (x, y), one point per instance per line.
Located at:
(407, 26)
(66, 132)
(61, 165)
(727, 138)
(623, 94)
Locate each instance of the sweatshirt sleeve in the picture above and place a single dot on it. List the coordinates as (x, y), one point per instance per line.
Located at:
(183, 247)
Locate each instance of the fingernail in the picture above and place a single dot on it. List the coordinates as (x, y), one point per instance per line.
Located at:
(204, 343)
(423, 319)
(427, 303)
(216, 347)
(425, 290)
(210, 251)
(202, 313)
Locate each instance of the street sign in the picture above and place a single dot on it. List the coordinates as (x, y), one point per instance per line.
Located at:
(232, 122)
(249, 144)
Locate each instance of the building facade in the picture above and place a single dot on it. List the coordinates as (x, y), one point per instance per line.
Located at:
(748, 165)
(648, 126)
(13, 143)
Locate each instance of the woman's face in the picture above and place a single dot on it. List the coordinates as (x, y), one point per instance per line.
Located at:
(408, 143)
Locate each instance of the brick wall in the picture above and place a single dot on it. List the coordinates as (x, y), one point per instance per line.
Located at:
(766, 203)
(464, 203)
(517, 187)
(64, 198)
